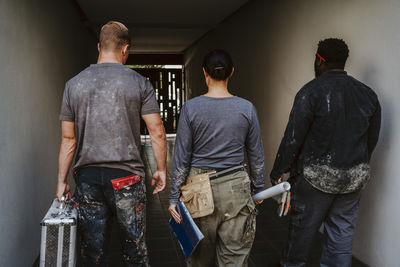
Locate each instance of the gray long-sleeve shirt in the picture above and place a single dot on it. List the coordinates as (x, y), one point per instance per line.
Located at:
(212, 134)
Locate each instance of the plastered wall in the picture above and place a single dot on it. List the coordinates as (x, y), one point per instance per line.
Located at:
(42, 44)
(273, 45)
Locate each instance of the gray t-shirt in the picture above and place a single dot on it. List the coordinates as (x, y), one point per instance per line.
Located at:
(106, 102)
(213, 133)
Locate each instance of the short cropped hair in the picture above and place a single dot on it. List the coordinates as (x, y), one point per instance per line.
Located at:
(334, 51)
(114, 35)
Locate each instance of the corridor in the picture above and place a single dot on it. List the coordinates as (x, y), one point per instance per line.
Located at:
(45, 43)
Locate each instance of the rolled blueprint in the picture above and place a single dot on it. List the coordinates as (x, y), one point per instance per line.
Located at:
(272, 191)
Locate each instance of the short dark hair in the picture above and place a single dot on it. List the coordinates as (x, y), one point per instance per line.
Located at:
(218, 64)
(114, 35)
(334, 51)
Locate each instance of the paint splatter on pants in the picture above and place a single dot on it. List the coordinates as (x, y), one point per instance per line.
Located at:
(310, 209)
(230, 230)
(97, 202)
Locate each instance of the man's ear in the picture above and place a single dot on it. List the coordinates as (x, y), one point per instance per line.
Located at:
(98, 47)
(319, 62)
(125, 50)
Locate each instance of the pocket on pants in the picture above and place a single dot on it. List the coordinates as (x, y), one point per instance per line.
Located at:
(241, 187)
(249, 232)
(298, 214)
(130, 197)
(129, 188)
(124, 182)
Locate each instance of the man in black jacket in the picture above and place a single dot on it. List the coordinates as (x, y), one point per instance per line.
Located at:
(332, 130)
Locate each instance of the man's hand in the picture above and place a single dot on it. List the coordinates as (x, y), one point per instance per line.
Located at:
(159, 144)
(63, 189)
(284, 177)
(159, 179)
(258, 202)
(276, 181)
(174, 213)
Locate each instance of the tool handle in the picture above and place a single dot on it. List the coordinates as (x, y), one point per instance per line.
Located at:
(62, 202)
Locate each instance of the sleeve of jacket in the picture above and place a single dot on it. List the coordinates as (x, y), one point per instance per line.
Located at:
(374, 129)
(255, 153)
(182, 156)
(300, 120)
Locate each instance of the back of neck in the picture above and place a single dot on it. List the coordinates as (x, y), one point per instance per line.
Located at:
(218, 92)
(108, 58)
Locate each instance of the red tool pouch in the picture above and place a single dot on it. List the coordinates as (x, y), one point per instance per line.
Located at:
(125, 181)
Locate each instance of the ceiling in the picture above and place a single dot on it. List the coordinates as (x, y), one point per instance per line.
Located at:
(160, 26)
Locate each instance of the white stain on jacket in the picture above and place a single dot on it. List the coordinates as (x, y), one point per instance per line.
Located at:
(337, 181)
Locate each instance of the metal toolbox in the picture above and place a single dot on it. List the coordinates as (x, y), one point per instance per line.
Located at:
(58, 243)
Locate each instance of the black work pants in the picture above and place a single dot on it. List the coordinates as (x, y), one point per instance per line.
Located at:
(97, 201)
(312, 207)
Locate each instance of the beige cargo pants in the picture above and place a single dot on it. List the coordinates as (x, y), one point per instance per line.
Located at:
(230, 230)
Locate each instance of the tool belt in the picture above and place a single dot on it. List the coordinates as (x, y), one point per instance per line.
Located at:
(197, 193)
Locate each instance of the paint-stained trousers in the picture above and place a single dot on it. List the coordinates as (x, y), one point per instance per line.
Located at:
(310, 209)
(97, 202)
(230, 230)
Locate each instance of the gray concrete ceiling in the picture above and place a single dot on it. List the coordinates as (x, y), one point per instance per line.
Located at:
(160, 26)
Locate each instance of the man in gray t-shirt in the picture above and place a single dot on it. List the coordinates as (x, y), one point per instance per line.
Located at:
(106, 101)
(100, 115)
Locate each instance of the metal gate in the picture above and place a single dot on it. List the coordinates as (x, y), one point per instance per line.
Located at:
(170, 94)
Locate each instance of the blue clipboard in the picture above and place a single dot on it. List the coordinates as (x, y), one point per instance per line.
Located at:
(187, 233)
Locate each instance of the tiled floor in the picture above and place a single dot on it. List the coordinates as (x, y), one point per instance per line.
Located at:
(164, 251)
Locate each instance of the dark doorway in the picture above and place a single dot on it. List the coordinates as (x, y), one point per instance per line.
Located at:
(166, 74)
(170, 93)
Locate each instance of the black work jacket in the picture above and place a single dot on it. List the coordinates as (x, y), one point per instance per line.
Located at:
(332, 130)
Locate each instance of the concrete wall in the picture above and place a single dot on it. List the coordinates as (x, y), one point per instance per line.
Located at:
(42, 44)
(273, 45)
